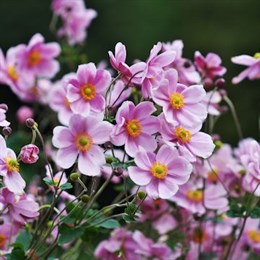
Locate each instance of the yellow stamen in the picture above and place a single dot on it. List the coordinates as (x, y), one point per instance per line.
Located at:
(83, 142)
(88, 91)
(12, 165)
(2, 240)
(34, 58)
(254, 235)
(134, 128)
(195, 195)
(213, 175)
(257, 55)
(159, 170)
(182, 134)
(177, 100)
(11, 71)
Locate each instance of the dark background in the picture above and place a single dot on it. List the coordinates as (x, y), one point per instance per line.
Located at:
(228, 28)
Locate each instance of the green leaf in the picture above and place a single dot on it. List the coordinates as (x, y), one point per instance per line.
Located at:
(236, 210)
(109, 224)
(66, 186)
(24, 238)
(129, 218)
(255, 213)
(49, 181)
(69, 233)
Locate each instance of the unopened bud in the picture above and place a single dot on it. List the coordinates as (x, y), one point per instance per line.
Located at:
(109, 159)
(7, 131)
(4, 106)
(108, 145)
(30, 122)
(218, 144)
(85, 198)
(220, 83)
(74, 176)
(242, 172)
(118, 171)
(207, 83)
(141, 195)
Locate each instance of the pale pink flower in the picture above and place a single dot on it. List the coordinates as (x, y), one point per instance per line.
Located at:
(38, 57)
(135, 127)
(3, 110)
(118, 60)
(9, 169)
(253, 70)
(187, 73)
(29, 154)
(23, 113)
(160, 173)
(80, 140)
(180, 103)
(209, 66)
(188, 140)
(20, 209)
(86, 92)
(120, 245)
(152, 70)
(58, 100)
(212, 100)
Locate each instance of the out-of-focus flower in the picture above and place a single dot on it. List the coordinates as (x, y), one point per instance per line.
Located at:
(253, 70)
(81, 139)
(135, 127)
(29, 154)
(160, 173)
(3, 110)
(23, 113)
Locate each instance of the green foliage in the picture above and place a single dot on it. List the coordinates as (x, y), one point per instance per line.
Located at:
(236, 209)
(68, 233)
(255, 213)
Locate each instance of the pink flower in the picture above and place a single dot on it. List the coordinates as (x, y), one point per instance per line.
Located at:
(189, 140)
(187, 73)
(118, 62)
(209, 66)
(180, 103)
(9, 169)
(20, 209)
(23, 113)
(58, 100)
(3, 110)
(29, 154)
(152, 70)
(160, 173)
(86, 93)
(38, 57)
(212, 100)
(135, 127)
(120, 245)
(253, 70)
(81, 139)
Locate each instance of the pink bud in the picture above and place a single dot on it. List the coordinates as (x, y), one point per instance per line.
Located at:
(23, 113)
(29, 153)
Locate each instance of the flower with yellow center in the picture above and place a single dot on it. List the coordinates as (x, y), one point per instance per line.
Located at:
(183, 135)
(11, 71)
(2, 240)
(254, 235)
(34, 58)
(177, 100)
(134, 128)
(195, 195)
(159, 170)
(83, 142)
(88, 91)
(12, 165)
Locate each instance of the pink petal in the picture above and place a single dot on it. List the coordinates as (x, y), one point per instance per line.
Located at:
(243, 60)
(167, 188)
(77, 124)
(98, 103)
(166, 154)
(62, 137)
(86, 73)
(102, 80)
(143, 109)
(179, 166)
(152, 189)
(150, 125)
(241, 76)
(164, 59)
(144, 159)
(81, 107)
(14, 182)
(194, 94)
(139, 176)
(101, 132)
(66, 157)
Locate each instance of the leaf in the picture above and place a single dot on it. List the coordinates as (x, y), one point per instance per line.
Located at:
(128, 218)
(66, 186)
(109, 224)
(24, 238)
(236, 209)
(255, 213)
(49, 181)
(69, 233)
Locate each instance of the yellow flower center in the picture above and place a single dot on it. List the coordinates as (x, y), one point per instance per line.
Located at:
(83, 142)
(66, 102)
(213, 175)
(257, 55)
(34, 58)
(195, 195)
(2, 240)
(159, 170)
(177, 100)
(56, 181)
(254, 235)
(11, 71)
(134, 128)
(12, 165)
(199, 235)
(88, 91)
(182, 135)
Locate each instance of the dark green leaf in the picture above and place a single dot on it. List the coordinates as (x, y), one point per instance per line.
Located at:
(69, 233)
(66, 186)
(255, 213)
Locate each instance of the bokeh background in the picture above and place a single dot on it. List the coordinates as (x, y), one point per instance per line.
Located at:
(228, 28)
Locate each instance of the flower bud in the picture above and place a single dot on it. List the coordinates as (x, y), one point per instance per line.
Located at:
(85, 198)
(7, 131)
(141, 195)
(220, 83)
(23, 114)
(118, 171)
(74, 176)
(4, 106)
(109, 159)
(29, 153)
(207, 83)
(30, 122)
(218, 144)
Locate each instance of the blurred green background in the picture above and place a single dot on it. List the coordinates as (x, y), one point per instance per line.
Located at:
(228, 28)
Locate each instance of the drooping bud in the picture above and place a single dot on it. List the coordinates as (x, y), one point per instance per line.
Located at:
(85, 198)
(220, 83)
(118, 171)
(4, 106)
(7, 131)
(74, 176)
(141, 195)
(30, 122)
